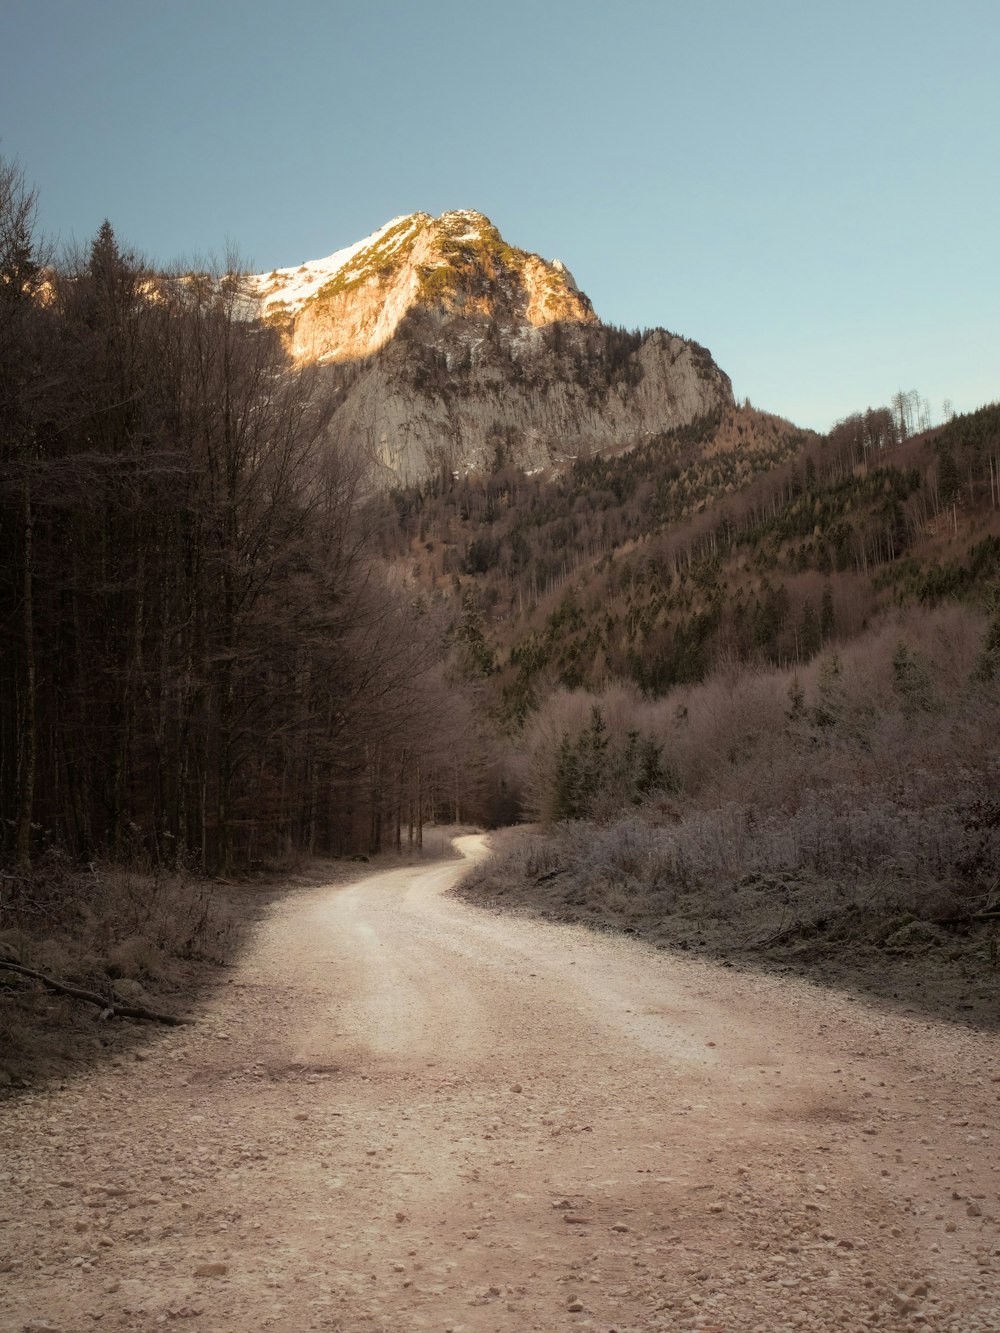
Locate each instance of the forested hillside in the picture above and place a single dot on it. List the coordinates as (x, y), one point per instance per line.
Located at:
(749, 678)
(737, 538)
(760, 721)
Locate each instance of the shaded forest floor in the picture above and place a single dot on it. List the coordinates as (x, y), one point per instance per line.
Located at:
(869, 945)
(165, 942)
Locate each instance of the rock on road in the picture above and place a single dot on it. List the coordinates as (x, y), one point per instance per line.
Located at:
(405, 1113)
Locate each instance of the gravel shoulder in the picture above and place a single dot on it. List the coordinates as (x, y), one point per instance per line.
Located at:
(403, 1112)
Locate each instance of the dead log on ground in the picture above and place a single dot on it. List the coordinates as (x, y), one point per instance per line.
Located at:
(109, 1009)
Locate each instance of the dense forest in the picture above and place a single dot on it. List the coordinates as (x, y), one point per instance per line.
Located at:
(738, 537)
(202, 662)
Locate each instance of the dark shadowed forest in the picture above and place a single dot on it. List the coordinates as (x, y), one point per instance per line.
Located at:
(201, 662)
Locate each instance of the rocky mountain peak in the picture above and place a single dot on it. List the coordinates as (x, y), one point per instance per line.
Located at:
(449, 348)
(457, 266)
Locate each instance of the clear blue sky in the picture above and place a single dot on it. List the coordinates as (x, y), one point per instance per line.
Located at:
(810, 189)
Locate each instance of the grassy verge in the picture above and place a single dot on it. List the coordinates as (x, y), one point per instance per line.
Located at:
(841, 818)
(914, 941)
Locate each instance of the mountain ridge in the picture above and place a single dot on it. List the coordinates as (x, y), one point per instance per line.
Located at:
(445, 347)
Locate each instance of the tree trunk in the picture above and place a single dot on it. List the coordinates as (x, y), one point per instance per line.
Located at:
(28, 741)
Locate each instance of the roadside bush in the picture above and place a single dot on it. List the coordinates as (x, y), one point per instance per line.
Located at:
(111, 922)
(849, 798)
(903, 710)
(107, 929)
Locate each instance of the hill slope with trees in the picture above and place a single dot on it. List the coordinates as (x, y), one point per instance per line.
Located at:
(750, 679)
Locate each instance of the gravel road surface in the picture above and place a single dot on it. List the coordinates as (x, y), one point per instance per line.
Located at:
(405, 1113)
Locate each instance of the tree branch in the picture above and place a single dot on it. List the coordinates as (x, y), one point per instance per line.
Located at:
(108, 1010)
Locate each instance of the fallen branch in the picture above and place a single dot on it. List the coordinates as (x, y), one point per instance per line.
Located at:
(111, 1009)
(964, 917)
(781, 935)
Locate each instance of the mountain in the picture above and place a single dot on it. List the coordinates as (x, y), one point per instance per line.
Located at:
(449, 349)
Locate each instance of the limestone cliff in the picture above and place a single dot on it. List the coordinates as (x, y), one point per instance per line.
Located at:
(447, 347)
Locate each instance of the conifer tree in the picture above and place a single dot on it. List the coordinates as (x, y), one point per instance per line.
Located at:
(826, 615)
(809, 631)
(652, 776)
(593, 749)
(566, 803)
(948, 477)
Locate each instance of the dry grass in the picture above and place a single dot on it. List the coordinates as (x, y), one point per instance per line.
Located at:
(141, 934)
(846, 813)
(870, 930)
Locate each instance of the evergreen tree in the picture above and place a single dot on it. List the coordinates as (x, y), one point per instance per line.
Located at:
(629, 766)
(826, 616)
(948, 477)
(829, 703)
(651, 776)
(566, 802)
(809, 631)
(911, 681)
(476, 655)
(592, 749)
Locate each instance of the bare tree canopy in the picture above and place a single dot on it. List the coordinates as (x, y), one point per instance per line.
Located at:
(201, 659)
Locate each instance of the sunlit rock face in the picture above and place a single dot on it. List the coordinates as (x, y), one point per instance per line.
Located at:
(447, 348)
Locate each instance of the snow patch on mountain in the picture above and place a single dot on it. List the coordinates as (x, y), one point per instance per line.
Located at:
(290, 288)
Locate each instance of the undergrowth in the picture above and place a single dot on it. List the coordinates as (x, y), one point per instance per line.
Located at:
(110, 929)
(845, 808)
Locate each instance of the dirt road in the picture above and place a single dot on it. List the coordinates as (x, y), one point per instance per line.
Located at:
(404, 1113)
